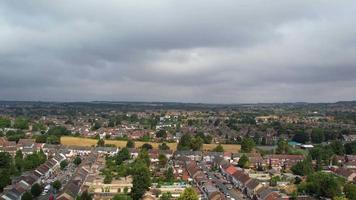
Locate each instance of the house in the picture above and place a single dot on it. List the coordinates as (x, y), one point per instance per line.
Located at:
(229, 170)
(265, 193)
(154, 154)
(133, 153)
(252, 187)
(73, 188)
(176, 189)
(192, 155)
(255, 159)
(227, 155)
(11, 194)
(240, 179)
(79, 150)
(351, 165)
(349, 138)
(96, 185)
(348, 174)
(10, 147)
(27, 146)
(211, 156)
(110, 151)
(70, 191)
(167, 153)
(216, 196)
(283, 160)
(3, 142)
(350, 158)
(137, 134)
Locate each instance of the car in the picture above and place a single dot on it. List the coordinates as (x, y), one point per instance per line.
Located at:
(229, 186)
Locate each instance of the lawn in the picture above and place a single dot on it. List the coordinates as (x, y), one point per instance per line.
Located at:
(77, 141)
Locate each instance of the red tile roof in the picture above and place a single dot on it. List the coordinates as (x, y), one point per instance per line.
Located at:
(231, 170)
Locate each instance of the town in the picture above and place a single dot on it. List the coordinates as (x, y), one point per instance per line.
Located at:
(125, 150)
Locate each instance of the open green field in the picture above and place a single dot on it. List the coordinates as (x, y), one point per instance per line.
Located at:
(77, 141)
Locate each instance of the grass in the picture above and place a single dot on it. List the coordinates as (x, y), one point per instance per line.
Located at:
(78, 141)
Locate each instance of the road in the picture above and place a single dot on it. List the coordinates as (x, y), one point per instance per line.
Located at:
(62, 175)
(233, 193)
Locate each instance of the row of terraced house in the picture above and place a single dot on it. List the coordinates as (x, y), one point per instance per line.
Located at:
(25, 182)
(249, 186)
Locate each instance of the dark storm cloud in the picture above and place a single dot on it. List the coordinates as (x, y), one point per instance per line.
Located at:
(197, 51)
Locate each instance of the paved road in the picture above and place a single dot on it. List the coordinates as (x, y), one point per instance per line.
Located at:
(237, 193)
(62, 175)
(232, 193)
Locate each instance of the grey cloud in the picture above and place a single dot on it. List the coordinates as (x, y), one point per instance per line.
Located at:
(196, 51)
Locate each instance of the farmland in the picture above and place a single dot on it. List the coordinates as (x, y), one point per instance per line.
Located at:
(77, 141)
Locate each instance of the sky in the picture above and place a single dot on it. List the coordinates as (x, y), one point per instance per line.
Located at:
(206, 51)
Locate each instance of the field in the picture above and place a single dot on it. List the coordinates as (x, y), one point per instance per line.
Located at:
(77, 141)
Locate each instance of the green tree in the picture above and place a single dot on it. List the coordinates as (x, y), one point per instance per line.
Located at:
(169, 175)
(189, 194)
(184, 142)
(5, 179)
(219, 148)
(247, 145)
(6, 164)
(42, 156)
(322, 153)
(15, 135)
(122, 155)
(41, 138)
(5, 122)
(337, 147)
(350, 148)
(57, 185)
(19, 160)
(26, 196)
(303, 168)
(166, 196)
(196, 143)
(100, 143)
(32, 161)
(206, 137)
(77, 160)
(322, 184)
(53, 139)
(85, 196)
(243, 161)
(63, 164)
(317, 135)
(122, 171)
(274, 180)
(38, 127)
(96, 126)
(350, 191)
(283, 147)
(108, 178)
(122, 197)
(112, 122)
(36, 190)
(146, 146)
(130, 144)
(301, 136)
(163, 146)
(161, 134)
(162, 160)
(141, 180)
(21, 123)
(58, 131)
(144, 157)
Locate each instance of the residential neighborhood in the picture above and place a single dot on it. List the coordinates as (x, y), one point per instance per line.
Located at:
(160, 154)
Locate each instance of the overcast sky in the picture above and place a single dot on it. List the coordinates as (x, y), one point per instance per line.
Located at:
(229, 51)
